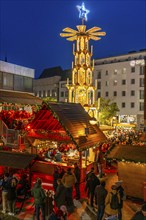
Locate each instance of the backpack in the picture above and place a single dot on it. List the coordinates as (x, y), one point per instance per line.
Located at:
(114, 204)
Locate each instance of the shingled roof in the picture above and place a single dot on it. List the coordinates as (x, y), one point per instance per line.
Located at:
(19, 98)
(128, 153)
(71, 118)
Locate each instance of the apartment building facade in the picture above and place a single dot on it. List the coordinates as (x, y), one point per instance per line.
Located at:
(121, 79)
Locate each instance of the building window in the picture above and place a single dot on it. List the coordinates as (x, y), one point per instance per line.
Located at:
(141, 70)
(106, 73)
(99, 85)
(99, 75)
(115, 93)
(40, 93)
(124, 70)
(44, 93)
(106, 94)
(48, 93)
(115, 72)
(98, 95)
(123, 81)
(141, 94)
(141, 82)
(123, 93)
(132, 104)
(62, 94)
(66, 93)
(133, 69)
(63, 85)
(106, 83)
(54, 93)
(141, 106)
(132, 81)
(132, 92)
(115, 82)
(123, 105)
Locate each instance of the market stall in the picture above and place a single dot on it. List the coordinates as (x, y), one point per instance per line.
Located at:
(131, 161)
(61, 134)
(16, 111)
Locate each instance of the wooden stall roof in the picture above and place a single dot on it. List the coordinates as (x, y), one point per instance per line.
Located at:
(128, 153)
(71, 118)
(19, 97)
(16, 160)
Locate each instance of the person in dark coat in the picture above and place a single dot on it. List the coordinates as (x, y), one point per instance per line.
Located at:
(87, 179)
(56, 176)
(77, 173)
(100, 195)
(93, 181)
(39, 199)
(122, 194)
(60, 194)
(12, 196)
(140, 215)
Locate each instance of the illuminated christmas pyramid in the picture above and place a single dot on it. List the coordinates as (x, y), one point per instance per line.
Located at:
(82, 90)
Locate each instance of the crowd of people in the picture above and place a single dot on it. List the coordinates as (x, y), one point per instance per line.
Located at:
(58, 204)
(11, 187)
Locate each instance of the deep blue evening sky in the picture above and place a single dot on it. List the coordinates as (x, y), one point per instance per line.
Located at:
(29, 30)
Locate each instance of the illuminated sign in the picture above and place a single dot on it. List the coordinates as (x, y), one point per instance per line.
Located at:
(137, 62)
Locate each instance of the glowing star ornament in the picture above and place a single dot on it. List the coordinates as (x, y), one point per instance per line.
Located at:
(82, 12)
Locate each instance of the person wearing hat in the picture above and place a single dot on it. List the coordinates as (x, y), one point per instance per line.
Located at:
(140, 215)
(122, 194)
(109, 210)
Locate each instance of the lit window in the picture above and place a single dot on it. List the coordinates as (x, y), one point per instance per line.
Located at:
(115, 82)
(124, 70)
(116, 71)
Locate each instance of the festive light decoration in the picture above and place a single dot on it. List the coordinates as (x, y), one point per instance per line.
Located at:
(82, 90)
(82, 11)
